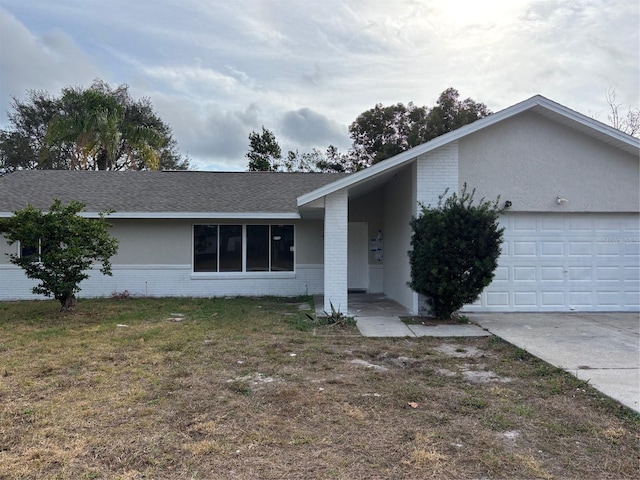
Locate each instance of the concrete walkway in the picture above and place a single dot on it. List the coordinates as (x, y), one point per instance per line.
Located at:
(603, 348)
(394, 327)
(378, 316)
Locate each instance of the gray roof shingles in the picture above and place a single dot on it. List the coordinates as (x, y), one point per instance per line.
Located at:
(154, 192)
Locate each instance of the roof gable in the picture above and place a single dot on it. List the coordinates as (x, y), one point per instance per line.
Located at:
(537, 104)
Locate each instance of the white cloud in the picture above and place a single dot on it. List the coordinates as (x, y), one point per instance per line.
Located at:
(312, 129)
(28, 61)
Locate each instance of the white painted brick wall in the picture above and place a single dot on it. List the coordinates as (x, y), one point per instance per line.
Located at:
(336, 217)
(437, 171)
(173, 281)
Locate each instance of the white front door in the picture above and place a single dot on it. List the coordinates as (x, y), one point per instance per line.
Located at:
(358, 256)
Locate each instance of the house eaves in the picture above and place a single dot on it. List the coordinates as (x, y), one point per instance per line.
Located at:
(188, 215)
(537, 104)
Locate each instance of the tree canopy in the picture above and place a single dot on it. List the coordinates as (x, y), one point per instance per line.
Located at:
(265, 154)
(94, 128)
(377, 134)
(382, 132)
(58, 247)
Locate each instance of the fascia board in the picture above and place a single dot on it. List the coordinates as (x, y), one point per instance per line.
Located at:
(185, 215)
(589, 122)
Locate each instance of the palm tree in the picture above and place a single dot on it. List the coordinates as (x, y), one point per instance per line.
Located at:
(108, 130)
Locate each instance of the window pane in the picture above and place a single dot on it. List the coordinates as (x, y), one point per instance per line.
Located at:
(205, 248)
(257, 248)
(28, 251)
(282, 248)
(230, 248)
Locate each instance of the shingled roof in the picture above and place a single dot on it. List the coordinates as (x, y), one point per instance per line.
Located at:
(172, 193)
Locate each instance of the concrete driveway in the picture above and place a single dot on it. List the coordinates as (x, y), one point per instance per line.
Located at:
(603, 348)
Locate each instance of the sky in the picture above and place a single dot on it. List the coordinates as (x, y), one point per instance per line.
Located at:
(216, 70)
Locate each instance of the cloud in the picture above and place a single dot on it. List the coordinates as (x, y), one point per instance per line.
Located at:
(312, 129)
(50, 62)
(210, 135)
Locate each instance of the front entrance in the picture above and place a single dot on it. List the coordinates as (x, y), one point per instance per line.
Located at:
(358, 257)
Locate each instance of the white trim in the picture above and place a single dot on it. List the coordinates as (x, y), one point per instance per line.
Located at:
(619, 139)
(240, 275)
(310, 266)
(155, 266)
(190, 215)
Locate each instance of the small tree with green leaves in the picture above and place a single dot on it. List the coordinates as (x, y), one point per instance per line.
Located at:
(58, 247)
(455, 250)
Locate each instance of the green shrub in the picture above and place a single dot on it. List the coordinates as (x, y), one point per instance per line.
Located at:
(455, 249)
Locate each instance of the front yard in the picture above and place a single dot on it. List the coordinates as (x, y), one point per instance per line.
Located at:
(249, 388)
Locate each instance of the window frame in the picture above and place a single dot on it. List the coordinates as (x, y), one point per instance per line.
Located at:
(37, 254)
(243, 273)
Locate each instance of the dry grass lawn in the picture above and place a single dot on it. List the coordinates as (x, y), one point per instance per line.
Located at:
(248, 388)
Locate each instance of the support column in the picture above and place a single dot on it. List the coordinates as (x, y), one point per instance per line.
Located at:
(336, 218)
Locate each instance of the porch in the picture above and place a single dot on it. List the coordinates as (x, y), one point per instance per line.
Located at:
(366, 305)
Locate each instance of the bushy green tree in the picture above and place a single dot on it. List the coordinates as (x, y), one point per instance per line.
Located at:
(454, 251)
(382, 132)
(58, 247)
(265, 154)
(94, 128)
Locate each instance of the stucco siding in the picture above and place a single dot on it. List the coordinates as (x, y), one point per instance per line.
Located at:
(5, 249)
(530, 160)
(152, 242)
(169, 242)
(399, 200)
(309, 242)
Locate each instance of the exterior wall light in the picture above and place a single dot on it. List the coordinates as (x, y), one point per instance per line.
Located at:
(560, 200)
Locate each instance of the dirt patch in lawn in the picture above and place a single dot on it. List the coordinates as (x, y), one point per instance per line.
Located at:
(250, 388)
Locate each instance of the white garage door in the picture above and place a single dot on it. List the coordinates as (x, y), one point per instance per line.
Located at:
(565, 262)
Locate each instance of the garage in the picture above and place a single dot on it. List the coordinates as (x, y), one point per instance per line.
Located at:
(566, 262)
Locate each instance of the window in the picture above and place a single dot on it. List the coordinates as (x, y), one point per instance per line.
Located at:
(243, 248)
(282, 248)
(230, 248)
(33, 250)
(257, 248)
(205, 248)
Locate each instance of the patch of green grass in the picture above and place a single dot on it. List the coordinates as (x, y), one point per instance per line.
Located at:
(496, 421)
(474, 402)
(520, 354)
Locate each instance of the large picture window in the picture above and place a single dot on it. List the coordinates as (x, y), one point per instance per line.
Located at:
(243, 248)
